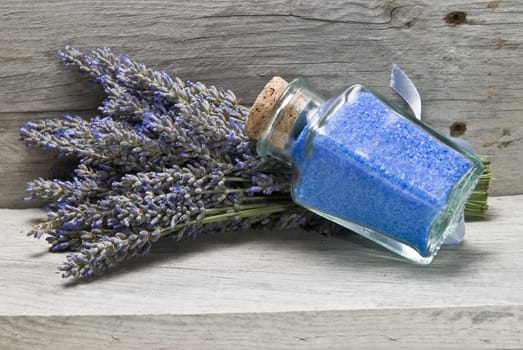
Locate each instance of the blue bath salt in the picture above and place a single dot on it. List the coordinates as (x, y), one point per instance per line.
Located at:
(369, 165)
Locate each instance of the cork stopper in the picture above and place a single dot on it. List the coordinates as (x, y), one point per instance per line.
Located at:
(282, 111)
(261, 110)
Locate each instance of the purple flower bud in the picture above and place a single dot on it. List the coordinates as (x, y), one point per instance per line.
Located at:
(59, 247)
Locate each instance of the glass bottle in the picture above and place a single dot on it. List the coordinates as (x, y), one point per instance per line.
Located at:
(366, 165)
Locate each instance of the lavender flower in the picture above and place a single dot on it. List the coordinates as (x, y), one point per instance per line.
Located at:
(164, 158)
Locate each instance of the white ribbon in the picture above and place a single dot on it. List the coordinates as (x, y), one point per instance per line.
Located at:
(403, 86)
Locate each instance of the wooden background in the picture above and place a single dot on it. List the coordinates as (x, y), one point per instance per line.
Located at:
(288, 289)
(467, 66)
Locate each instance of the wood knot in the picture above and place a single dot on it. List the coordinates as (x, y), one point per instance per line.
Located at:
(403, 13)
(456, 18)
(457, 129)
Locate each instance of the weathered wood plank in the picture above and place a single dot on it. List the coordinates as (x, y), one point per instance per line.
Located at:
(295, 288)
(251, 272)
(468, 72)
(462, 327)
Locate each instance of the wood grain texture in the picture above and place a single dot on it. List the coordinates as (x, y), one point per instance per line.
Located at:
(455, 328)
(273, 290)
(469, 72)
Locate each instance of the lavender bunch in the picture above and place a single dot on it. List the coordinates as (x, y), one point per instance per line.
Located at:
(164, 157)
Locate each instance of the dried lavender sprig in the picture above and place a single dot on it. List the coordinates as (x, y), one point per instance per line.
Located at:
(100, 141)
(125, 81)
(106, 251)
(188, 199)
(89, 140)
(68, 191)
(222, 105)
(99, 252)
(80, 217)
(158, 114)
(120, 73)
(155, 86)
(103, 141)
(148, 197)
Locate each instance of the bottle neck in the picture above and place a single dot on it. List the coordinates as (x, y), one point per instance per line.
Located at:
(296, 107)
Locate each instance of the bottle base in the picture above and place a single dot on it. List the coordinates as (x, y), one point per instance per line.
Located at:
(387, 242)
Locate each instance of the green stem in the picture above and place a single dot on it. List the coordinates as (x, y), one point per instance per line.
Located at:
(266, 198)
(267, 209)
(236, 179)
(228, 190)
(245, 109)
(215, 211)
(477, 203)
